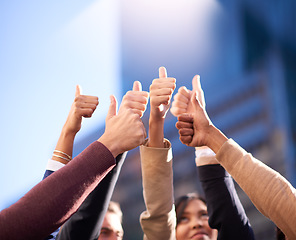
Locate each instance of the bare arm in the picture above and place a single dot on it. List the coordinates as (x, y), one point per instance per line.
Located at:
(83, 106)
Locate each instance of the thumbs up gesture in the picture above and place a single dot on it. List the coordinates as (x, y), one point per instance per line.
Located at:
(125, 130)
(161, 91)
(182, 100)
(194, 124)
(135, 100)
(83, 106)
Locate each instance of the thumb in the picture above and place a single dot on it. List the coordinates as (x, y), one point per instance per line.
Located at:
(162, 72)
(196, 83)
(78, 91)
(112, 108)
(195, 101)
(137, 86)
(197, 88)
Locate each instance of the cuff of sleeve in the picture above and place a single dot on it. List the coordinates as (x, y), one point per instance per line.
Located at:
(205, 156)
(161, 153)
(166, 144)
(53, 165)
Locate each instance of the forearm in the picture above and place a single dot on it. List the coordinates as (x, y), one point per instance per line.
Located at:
(271, 193)
(39, 213)
(159, 220)
(156, 136)
(225, 209)
(65, 145)
(215, 138)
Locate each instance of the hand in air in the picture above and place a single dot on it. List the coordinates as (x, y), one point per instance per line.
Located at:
(125, 130)
(161, 91)
(83, 106)
(182, 100)
(136, 100)
(194, 126)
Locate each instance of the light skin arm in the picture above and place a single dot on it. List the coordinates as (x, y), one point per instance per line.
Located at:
(83, 106)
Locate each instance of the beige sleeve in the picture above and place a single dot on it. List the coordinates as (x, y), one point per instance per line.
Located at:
(159, 219)
(270, 192)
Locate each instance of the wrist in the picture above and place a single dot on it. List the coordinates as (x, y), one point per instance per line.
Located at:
(68, 133)
(110, 144)
(156, 136)
(156, 114)
(215, 138)
(156, 121)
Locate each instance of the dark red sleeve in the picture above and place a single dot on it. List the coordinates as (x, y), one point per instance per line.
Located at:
(52, 201)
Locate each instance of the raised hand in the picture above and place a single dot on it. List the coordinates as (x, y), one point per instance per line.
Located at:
(124, 131)
(182, 100)
(188, 117)
(83, 106)
(161, 91)
(135, 100)
(194, 127)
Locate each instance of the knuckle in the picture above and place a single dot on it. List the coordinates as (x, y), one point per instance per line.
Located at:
(77, 99)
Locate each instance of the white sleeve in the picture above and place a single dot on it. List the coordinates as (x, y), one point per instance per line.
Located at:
(53, 165)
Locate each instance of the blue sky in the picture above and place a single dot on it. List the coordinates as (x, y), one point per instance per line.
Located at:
(46, 48)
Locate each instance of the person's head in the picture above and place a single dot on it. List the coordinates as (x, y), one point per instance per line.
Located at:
(192, 219)
(112, 224)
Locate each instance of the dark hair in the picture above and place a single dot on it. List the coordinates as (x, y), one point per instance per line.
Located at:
(183, 201)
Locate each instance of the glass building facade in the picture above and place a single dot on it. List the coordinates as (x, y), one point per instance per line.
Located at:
(245, 52)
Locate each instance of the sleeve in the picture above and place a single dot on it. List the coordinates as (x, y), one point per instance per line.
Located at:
(270, 192)
(39, 213)
(158, 221)
(226, 213)
(87, 221)
(51, 167)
